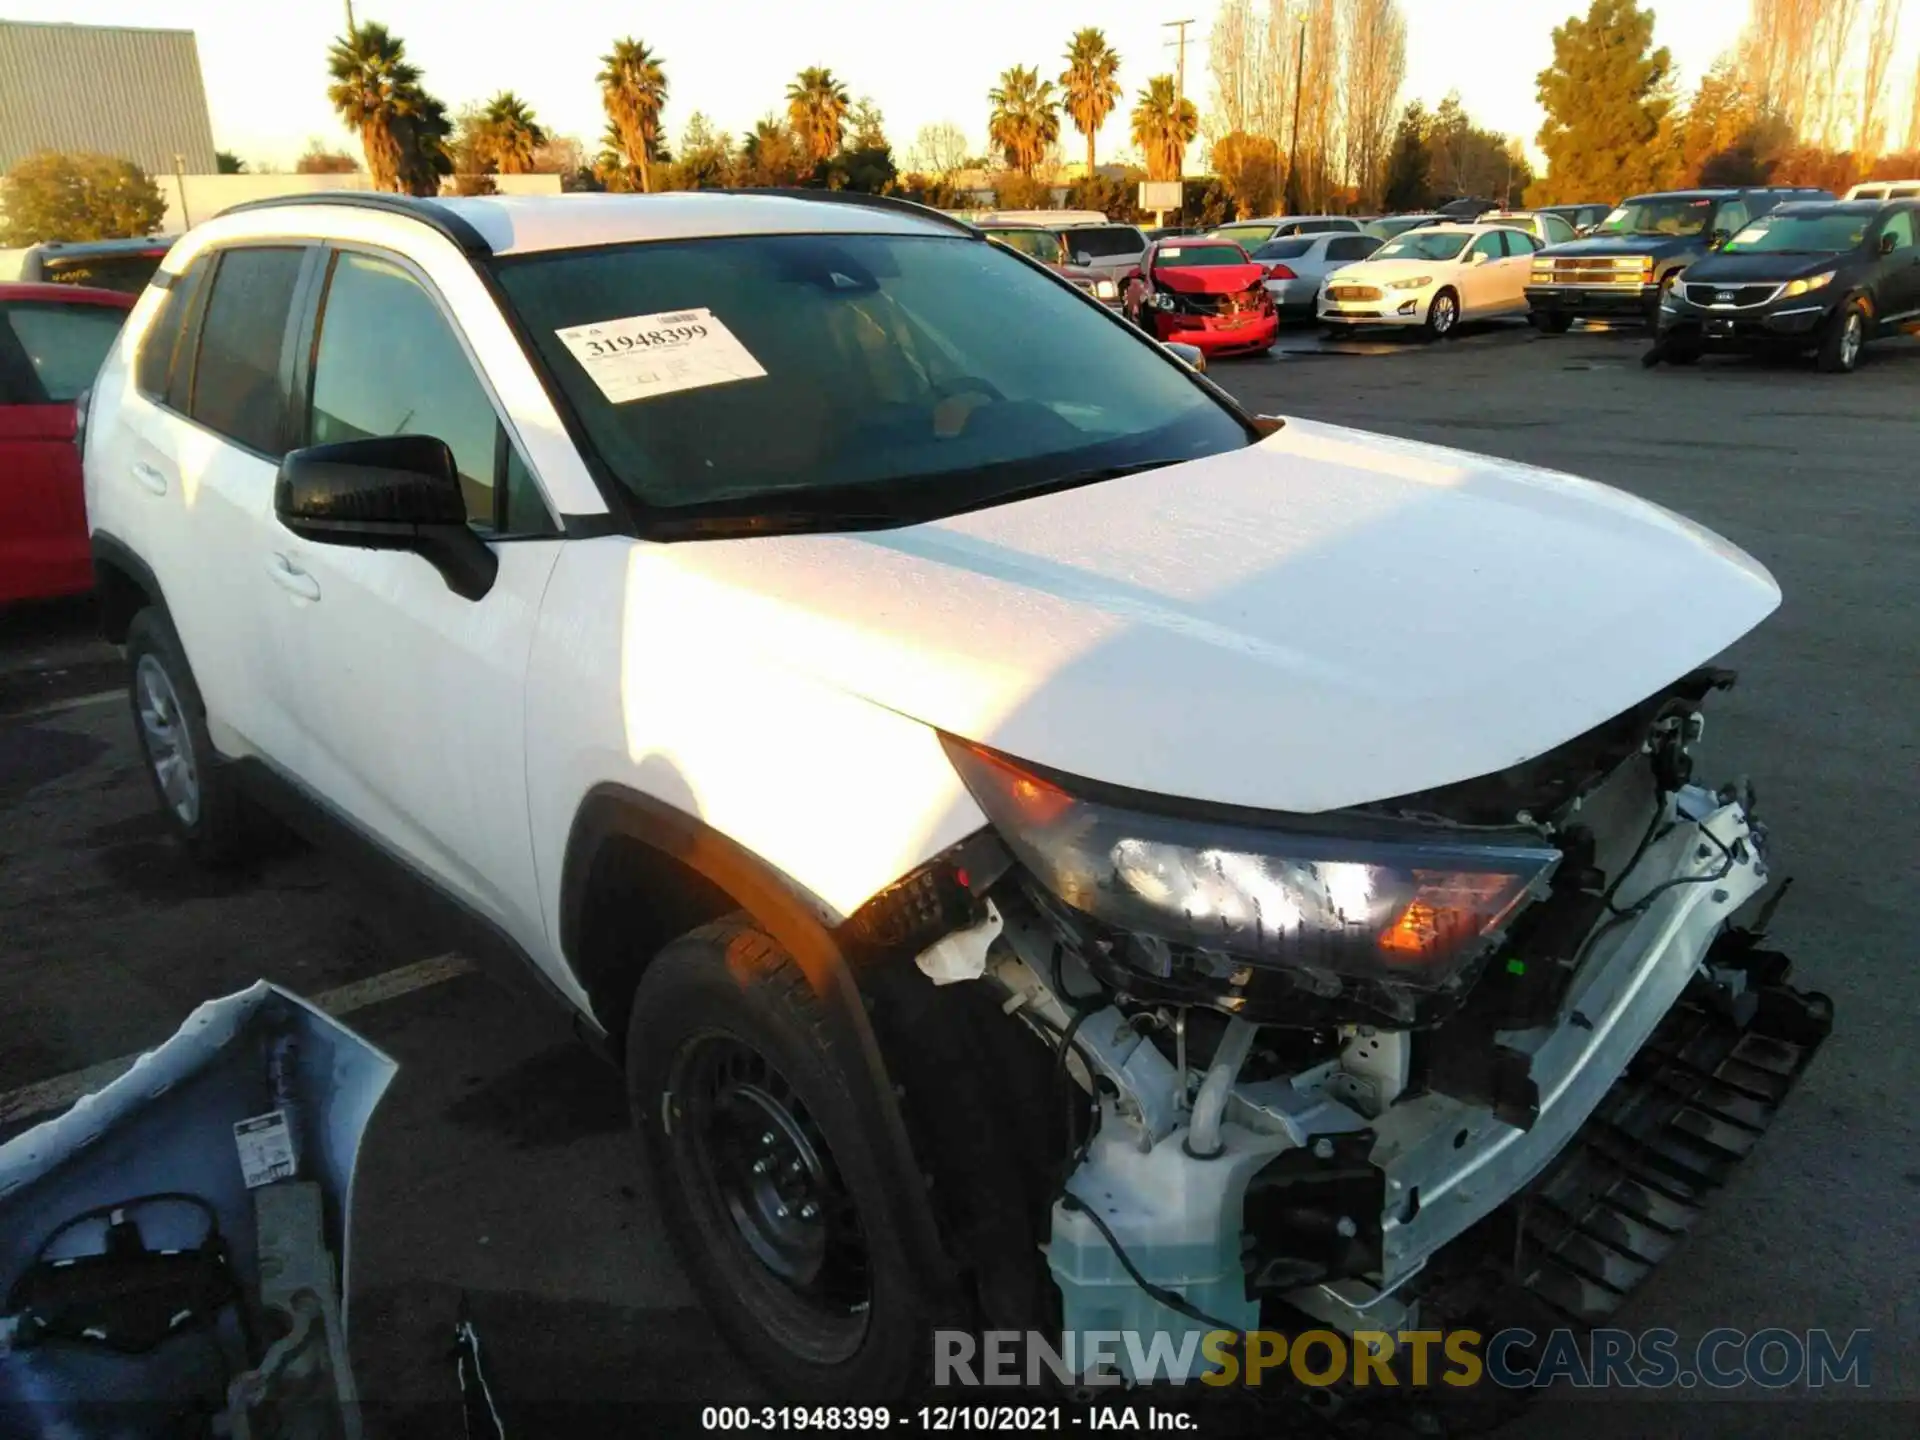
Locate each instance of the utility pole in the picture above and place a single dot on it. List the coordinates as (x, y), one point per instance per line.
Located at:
(1293, 136)
(1179, 27)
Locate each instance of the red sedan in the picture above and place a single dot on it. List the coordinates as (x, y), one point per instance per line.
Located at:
(1204, 293)
(52, 340)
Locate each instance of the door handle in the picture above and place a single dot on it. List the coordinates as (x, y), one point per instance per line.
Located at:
(291, 578)
(150, 479)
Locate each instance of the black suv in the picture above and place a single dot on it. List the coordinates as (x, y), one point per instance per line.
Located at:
(1638, 251)
(1821, 277)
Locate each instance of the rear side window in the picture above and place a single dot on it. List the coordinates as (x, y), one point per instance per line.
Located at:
(1900, 226)
(1519, 242)
(153, 369)
(236, 377)
(1352, 247)
(1288, 249)
(63, 345)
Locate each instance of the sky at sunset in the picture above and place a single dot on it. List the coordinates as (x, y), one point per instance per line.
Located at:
(265, 64)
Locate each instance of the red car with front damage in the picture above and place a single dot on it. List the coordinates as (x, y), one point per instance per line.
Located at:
(52, 340)
(1204, 293)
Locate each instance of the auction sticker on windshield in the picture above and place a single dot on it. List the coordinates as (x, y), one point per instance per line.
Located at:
(647, 355)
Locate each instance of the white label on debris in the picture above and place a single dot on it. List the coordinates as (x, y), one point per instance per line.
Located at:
(646, 355)
(266, 1148)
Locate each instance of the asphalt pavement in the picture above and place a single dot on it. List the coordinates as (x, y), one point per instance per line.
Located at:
(498, 1174)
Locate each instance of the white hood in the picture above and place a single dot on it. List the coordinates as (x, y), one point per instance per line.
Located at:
(1326, 618)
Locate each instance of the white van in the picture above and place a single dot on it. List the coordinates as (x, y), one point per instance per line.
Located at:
(1885, 190)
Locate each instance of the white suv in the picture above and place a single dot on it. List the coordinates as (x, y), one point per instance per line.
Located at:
(1050, 849)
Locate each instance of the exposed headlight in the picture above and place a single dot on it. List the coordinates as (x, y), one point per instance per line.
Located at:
(1811, 283)
(1105, 290)
(1418, 282)
(1412, 909)
(1161, 300)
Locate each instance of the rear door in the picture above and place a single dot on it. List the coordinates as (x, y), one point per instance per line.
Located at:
(50, 352)
(1514, 270)
(411, 699)
(203, 470)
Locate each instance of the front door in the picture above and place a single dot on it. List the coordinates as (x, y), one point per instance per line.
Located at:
(1899, 270)
(411, 698)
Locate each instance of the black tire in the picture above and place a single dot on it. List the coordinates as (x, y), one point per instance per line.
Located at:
(1550, 322)
(730, 991)
(1443, 315)
(1844, 340)
(198, 798)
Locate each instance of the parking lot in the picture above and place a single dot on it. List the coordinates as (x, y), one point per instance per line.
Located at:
(499, 1170)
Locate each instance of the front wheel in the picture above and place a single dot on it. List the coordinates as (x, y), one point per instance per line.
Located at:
(1846, 337)
(768, 1183)
(1443, 315)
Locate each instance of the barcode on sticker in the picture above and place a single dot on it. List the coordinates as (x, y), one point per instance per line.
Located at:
(265, 1144)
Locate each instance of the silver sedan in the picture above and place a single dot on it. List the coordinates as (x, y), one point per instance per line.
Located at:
(1297, 265)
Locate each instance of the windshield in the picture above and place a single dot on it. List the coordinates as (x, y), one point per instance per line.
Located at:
(1676, 216)
(1289, 249)
(1807, 234)
(1423, 245)
(1188, 257)
(1243, 234)
(1042, 245)
(896, 376)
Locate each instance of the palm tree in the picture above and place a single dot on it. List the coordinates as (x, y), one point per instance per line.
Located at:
(1090, 84)
(633, 87)
(1025, 119)
(423, 132)
(818, 105)
(374, 87)
(769, 156)
(1164, 124)
(509, 133)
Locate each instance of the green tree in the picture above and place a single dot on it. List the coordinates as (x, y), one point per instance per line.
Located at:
(633, 91)
(1164, 124)
(1114, 198)
(225, 162)
(424, 133)
(1407, 186)
(319, 160)
(869, 127)
(1466, 159)
(1606, 96)
(1017, 190)
(1025, 118)
(770, 155)
(509, 134)
(54, 196)
(377, 92)
(1250, 167)
(1090, 84)
(818, 106)
(706, 156)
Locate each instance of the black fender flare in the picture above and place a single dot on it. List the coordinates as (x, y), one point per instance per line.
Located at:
(112, 555)
(615, 812)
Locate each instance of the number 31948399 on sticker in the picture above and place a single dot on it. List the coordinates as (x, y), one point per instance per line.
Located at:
(642, 356)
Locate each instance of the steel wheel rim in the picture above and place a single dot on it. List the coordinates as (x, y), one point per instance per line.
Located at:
(163, 731)
(1850, 339)
(1443, 313)
(760, 1168)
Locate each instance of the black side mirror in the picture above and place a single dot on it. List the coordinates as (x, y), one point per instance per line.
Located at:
(391, 492)
(1719, 238)
(1889, 243)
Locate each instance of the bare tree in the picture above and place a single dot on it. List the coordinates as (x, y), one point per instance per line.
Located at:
(1833, 40)
(939, 149)
(1913, 116)
(1883, 36)
(1778, 52)
(1376, 69)
(1318, 142)
(1233, 60)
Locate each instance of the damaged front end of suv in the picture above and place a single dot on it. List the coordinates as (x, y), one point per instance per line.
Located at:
(1472, 1056)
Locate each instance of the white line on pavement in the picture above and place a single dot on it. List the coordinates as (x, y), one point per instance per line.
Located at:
(99, 697)
(60, 1091)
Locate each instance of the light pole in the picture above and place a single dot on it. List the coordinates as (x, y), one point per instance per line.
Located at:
(1179, 27)
(1293, 135)
(180, 183)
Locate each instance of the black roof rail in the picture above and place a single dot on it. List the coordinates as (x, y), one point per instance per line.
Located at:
(860, 198)
(428, 212)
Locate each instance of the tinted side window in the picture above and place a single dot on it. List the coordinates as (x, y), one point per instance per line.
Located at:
(1488, 245)
(1106, 241)
(1519, 242)
(389, 363)
(158, 347)
(1900, 226)
(1351, 247)
(1732, 218)
(236, 377)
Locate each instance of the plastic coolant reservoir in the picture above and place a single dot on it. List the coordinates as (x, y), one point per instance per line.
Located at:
(1178, 1220)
